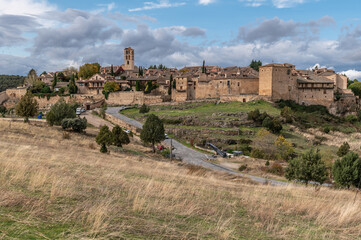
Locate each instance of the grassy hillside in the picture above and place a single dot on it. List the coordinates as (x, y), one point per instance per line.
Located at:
(56, 188)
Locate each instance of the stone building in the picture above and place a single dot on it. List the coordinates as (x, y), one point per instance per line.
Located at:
(128, 59)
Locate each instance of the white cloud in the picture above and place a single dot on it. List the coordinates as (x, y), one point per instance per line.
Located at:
(352, 74)
(157, 5)
(109, 6)
(206, 2)
(286, 3)
(275, 3)
(25, 7)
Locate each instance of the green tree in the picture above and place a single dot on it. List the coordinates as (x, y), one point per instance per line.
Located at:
(59, 111)
(144, 109)
(55, 81)
(60, 76)
(72, 86)
(153, 131)
(111, 70)
(255, 65)
(104, 138)
(76, 124)
(27, 106)
(119, 136)
(308, 167)
(111, 86)
(170, 84)
(347, 171)
(31, 77)
(174, 84)
(89, 69)
(356, 88)
(274, 125)
(286, 113)
(137, 86)
(343, 149)
(203, 67)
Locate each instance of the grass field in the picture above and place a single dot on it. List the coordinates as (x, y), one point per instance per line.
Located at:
(55, 188)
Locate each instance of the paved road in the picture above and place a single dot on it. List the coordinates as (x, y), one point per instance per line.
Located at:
(191, 156)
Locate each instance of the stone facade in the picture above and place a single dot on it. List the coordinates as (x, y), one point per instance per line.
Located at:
(128, 59)
(131, 98)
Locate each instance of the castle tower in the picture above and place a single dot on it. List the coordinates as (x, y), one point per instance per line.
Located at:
(128, 59)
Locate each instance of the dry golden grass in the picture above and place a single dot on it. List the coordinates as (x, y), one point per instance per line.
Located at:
(55, 188)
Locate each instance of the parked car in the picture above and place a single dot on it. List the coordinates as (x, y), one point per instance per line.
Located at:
(82, 110)
(127, 131)
(78, 111)
(166, 136)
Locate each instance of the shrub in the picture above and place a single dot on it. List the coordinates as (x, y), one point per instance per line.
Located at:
(257, 117)
(286, 112)
(2, 110)
(284, 148)
(343, 149)
(276, 169)
(104, 138)
(144, 109)
(76, 124)
(256, 153)
(59, 111)
(326, 130)
(274, 125)
(27, 106)
(119, 136)
(267, 163)
(351, 118)
(308, 167)
(347, 171)
(242, 167)
(66, 135)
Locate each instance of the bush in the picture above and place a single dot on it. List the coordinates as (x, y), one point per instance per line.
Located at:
(308, 167)
(76, 124)
(326, 130)
(59, 111)
(267, 163)
(347, 171)
(286, 112)
(2, 110)
(276, 169)
(256, 153)
(343, 149)
(351, 118)
(257, 117)
(274, 125)
(242, 168)
(144, 109)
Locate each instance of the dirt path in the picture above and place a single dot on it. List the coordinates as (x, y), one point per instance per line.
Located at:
(96, 121)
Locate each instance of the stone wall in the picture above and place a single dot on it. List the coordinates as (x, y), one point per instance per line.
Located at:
(15, 93)
(131, 98)
(3, 97)
(243, 98)
(324, 97)
(122, 124)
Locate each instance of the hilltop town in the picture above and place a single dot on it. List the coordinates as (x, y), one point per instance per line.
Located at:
(271, 82)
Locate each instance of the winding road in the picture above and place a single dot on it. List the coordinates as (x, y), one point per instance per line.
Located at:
(191, 156)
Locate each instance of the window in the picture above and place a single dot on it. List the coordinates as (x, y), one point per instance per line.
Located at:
(181, 87)
(238, 84)
(244, 100)
(324, 91)
(228, 83)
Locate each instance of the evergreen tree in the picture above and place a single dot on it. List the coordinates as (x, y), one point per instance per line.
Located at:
(119, 136)
(111, 70)
(343, 150)
(144, 109)
(308, 167)
(55, 81)
(153, 131)
(27, 106)
(72, 86)
(203, 67)
(347, 171)
(255, 65)
(170, 84)
(137, 86)
(104, 138)
(59, 111)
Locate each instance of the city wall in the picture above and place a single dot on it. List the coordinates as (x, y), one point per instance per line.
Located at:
(131, 98)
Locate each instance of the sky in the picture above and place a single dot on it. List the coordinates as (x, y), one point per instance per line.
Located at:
(50, 35)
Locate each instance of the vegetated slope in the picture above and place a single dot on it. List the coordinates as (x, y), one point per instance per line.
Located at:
(10, 81)
(55, 188)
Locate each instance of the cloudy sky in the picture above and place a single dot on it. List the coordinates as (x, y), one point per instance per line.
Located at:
(50, 35)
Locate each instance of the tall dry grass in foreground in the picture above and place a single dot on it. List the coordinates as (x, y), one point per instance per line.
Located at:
(62, 188)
